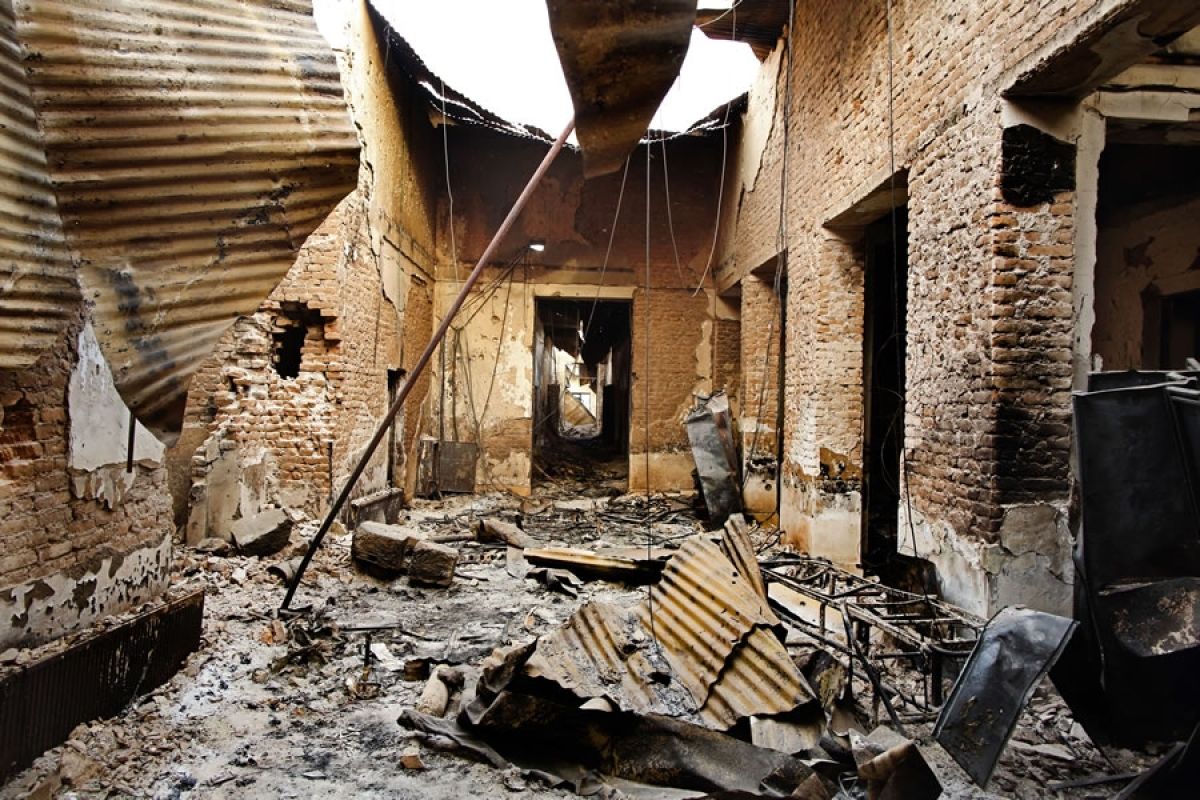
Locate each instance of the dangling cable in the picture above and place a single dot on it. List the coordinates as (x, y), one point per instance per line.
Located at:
(612, 233)
(670, 220)
(646, 402)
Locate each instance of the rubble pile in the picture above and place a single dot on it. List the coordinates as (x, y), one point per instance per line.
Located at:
(601, 646)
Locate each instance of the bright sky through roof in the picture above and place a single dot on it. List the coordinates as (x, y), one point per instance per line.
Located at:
(500, 54)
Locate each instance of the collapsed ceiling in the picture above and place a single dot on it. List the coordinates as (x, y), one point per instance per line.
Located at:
(619, 59)
(191, 149)
(37, 284)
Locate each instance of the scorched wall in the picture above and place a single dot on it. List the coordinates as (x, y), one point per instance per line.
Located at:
(259, 435)
(672, 323)
(989, 283)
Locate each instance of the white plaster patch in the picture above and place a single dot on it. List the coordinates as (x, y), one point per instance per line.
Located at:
(962, 578)
(99, 426)
(43, 609)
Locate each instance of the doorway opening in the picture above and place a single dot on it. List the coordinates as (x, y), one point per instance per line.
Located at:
(1147, 280)
(885, 335)
(582, 375)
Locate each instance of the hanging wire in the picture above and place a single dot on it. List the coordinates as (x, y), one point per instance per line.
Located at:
(670, 220)
(612, 233)
(454, 261)
(731, 10)
(721, 186)
(781, 244)
(646, 402)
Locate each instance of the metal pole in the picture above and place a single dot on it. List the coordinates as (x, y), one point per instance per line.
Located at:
(419, 367)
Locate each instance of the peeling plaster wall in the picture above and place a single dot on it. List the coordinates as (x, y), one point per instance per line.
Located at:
(363, 280)
(99, 430)
(990, 285)
(62, 602)
(574, 218)
(79, 537)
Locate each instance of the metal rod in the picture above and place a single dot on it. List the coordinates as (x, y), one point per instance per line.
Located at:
(129, 447)
(419, 367)
(871, 672)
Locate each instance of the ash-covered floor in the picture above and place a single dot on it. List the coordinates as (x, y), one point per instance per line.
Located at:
(272, 707)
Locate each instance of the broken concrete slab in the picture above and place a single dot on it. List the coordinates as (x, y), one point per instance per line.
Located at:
(432, 564)
(385, 547)
(264, 533)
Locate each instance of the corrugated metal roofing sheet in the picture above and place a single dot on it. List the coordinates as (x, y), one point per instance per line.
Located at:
(758, 23)
(760, 679)
(597, 40)
(37, 282)
(602, 652)
(702, 608)
(193, 147)
(710, 634)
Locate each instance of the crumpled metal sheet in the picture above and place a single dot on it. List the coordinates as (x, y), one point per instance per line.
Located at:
(1014, 652)
(590, 748)
(193, 147)
(758, 677)
(699, 612)
(715, 454)
(620, 58)
(758, 23)
(707, 653)
(602, 651)
(37, 281)
(737, 547)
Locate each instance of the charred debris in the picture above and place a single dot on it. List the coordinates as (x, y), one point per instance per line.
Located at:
(737, 668)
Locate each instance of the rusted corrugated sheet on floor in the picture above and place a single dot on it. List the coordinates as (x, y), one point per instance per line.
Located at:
(739, 549)
(602, 652)
(702, 648)
(41, 704)
(193, 147)
(705, 616)
(37, 283)
(620, 58)
(759, 678)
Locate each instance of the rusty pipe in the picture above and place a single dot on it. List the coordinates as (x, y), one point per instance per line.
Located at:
(390, 417)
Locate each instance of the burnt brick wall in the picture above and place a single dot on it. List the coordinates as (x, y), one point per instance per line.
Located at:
(989, 284)
(53, 541)
(761, 346)
(574, 218)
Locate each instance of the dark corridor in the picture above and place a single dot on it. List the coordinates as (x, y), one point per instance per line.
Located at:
(582, 373)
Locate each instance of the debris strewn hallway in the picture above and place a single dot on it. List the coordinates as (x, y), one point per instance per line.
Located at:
(687, 399)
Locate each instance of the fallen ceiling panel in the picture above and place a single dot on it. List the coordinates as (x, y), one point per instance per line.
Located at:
(620, 58)
(193, 147)
(37, 283)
